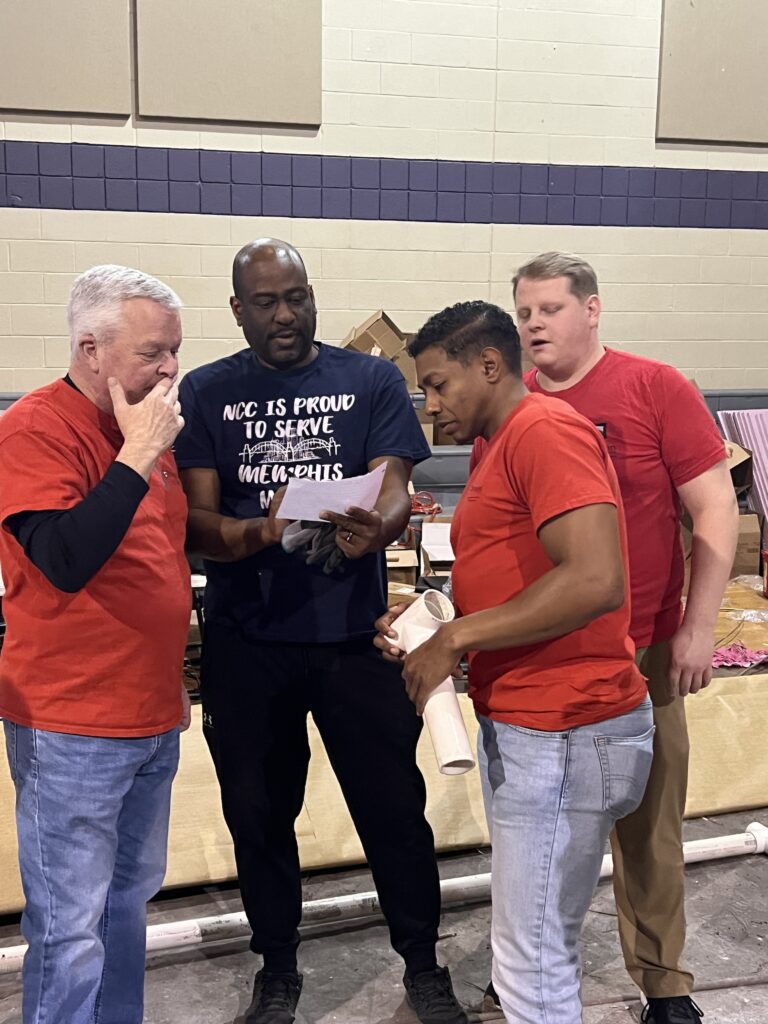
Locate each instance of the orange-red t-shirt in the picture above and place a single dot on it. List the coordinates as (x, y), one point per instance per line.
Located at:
(107, 660)
(545, 460)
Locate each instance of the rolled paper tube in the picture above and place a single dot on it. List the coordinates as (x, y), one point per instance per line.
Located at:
(442, 713)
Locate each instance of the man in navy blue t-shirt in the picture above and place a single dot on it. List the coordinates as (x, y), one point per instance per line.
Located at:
(285, 636)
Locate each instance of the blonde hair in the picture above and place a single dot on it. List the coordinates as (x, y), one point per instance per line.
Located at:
(582, 278)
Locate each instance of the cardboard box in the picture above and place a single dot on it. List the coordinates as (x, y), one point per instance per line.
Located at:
(400, 593)
(746, 561)
(437, 555)
(739, 462)
(379, 335)
(402, 566)
(376, 336)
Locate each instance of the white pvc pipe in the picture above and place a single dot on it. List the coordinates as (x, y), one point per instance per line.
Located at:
(442, 713)
(467, 889)
(754, 840)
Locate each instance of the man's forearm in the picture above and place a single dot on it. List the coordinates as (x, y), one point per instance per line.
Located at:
(224, 538)
(715, 533)
(395, 511)
(559, 602)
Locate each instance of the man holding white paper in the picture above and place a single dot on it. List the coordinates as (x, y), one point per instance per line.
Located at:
(566, 728)
(286, 635)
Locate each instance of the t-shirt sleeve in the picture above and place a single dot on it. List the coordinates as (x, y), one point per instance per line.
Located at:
(690, 441)
(394, 427)
(38, 472)
(194, 447)
(558, 467)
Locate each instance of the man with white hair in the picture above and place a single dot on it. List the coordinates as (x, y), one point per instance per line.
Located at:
(97, 609)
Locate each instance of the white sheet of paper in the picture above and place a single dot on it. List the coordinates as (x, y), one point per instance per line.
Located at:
(436, 541)
(306, 499)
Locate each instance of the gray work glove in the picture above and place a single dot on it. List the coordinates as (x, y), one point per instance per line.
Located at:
(315, 543)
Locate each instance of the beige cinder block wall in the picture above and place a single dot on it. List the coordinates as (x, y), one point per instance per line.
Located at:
(558, 81)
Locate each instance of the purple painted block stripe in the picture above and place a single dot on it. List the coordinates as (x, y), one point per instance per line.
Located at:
(217, 182)
(21, 157)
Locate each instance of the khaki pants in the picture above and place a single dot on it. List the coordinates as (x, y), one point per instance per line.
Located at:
(648, 874)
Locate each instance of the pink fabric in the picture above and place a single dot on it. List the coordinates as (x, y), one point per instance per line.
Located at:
(737, 655)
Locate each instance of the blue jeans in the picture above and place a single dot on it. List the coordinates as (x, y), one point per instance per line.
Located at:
(92, 822)
(552, 799)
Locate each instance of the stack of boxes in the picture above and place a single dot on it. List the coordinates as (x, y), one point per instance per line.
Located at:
(380, 336)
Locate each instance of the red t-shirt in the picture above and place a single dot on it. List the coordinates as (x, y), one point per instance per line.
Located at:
(107, 660)
(544, 460)
(660, 435)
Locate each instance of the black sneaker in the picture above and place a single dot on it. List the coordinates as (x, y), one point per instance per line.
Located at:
(430, 995)
(274, 998)
(675, 1010)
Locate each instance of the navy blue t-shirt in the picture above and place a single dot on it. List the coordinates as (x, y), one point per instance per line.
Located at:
(257, 428)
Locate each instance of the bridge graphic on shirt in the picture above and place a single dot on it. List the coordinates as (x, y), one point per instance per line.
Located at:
(291, 450)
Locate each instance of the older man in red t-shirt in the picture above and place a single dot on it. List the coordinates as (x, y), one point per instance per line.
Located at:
(667, 453)
(97, 607)
(565, 719)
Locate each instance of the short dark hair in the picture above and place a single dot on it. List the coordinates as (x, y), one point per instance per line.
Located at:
(464, 330)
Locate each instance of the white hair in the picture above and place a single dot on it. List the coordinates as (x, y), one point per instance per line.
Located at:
(98, 293)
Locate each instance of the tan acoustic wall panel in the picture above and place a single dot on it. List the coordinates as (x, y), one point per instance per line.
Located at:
(252, 61)
(199, 846)
(713, 78)
(727, 723)
(65, 57)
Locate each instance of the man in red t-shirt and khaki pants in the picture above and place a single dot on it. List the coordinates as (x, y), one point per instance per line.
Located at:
(667, 453)
(566, 727)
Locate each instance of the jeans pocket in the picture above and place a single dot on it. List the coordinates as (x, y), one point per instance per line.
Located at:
(539, 734)
(625, 762)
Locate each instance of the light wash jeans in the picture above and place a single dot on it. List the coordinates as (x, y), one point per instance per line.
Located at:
(92, 822)
(552, 799)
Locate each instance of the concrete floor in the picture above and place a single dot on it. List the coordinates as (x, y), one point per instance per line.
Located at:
(351, 976)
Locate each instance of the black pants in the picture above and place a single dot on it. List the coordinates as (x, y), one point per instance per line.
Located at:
(255, 703)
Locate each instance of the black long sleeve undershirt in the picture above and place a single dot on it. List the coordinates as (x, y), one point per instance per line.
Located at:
(69, 547)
